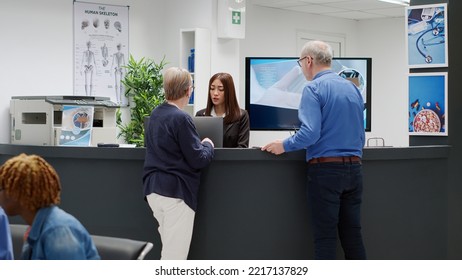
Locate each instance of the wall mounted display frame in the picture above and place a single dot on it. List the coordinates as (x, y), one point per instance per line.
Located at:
(77, 125)
(428, 104)
(426, 36)
(100, 50)
(273, 87)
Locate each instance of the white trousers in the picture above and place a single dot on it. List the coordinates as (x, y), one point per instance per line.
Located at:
(176, 221)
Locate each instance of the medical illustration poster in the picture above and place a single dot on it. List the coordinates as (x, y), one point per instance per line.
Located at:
(100, 50)
(77, 126)
(426, 36)
(428, 107)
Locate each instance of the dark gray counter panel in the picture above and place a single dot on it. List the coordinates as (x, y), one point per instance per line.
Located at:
(382, 153)
(252, 204)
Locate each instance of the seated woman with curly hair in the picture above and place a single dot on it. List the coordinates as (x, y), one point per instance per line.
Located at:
(30, 188)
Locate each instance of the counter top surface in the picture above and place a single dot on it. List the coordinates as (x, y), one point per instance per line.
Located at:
(376, 153)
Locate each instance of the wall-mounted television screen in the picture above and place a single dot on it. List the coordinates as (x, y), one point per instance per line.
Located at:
(274, 86)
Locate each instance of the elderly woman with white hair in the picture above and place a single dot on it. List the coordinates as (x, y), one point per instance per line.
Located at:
(174, 158)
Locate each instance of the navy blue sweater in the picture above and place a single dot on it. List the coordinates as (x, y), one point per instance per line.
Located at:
(174, 155)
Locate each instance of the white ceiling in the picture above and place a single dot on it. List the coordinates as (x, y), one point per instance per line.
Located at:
(349, 9)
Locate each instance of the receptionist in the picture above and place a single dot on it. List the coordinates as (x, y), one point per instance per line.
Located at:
(222, 102)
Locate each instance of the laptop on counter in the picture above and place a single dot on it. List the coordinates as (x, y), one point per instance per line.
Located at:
(210, 127)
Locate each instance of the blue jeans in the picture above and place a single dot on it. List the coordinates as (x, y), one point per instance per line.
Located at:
(334, 193)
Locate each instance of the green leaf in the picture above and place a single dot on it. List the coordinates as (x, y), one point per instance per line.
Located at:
(144, 84)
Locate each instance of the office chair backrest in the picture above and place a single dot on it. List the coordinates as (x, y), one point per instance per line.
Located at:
(113, 248)
(109, 248)
(17, 234)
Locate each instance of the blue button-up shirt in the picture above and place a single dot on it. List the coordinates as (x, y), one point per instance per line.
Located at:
(57, 235)
(6, 247)
(332, 118)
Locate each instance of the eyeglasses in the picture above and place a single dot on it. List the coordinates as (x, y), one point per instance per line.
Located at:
(192, 87)
(298, 61)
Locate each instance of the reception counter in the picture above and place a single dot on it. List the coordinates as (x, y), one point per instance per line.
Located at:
(252, 204)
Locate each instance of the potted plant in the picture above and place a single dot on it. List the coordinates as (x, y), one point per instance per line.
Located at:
(144, 88)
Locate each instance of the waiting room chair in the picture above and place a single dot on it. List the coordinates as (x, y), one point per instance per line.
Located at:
(114, 248)
(109, 248)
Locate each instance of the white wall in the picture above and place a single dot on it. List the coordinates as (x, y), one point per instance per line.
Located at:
(37, 45)
(35, 52)
(383, 40)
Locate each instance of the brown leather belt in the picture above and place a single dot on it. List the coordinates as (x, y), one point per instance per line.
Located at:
(352, 159)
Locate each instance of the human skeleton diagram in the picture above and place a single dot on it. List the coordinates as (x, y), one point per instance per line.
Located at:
(88, 66)
(118, 62)
(105, 54)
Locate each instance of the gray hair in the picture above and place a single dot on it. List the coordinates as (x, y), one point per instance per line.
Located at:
(320, 51)
(176, 83)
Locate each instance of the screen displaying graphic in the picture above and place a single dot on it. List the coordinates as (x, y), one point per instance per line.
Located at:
(274, 86)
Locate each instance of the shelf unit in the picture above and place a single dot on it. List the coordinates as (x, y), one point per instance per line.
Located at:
(198, 39)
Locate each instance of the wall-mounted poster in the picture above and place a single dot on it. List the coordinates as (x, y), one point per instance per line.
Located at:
(428, 107)
(426, 36)
(100, 50)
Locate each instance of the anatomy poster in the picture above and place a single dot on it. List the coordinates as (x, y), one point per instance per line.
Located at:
(100, 50)
(428, 110)
(426, 36)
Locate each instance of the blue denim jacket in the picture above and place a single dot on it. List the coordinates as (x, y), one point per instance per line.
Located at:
(57, 235)
(6, 247)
